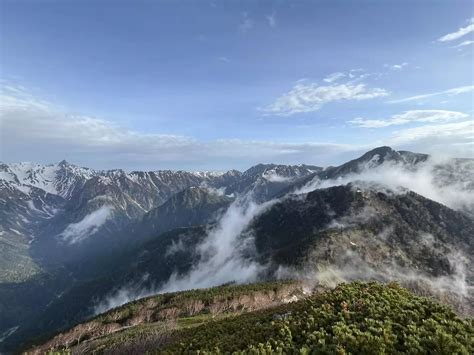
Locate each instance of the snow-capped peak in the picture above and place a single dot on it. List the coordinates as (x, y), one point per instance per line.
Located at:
(57, 179)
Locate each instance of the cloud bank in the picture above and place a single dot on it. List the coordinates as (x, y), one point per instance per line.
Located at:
(36, 129)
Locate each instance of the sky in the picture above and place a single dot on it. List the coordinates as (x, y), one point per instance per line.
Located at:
(216, 85)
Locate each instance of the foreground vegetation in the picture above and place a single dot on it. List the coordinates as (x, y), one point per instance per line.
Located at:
(150, 322)
(368, 318)
(274, 317)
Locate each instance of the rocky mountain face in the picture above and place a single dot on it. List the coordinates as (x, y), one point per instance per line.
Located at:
(85, 236)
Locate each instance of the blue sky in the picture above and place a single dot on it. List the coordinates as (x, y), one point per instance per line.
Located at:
(218, 85)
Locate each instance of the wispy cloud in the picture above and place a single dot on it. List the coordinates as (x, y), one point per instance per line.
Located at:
(450, 92)
(464, 44)
(396, 66)
(409, 117)
(246, 24)
(461, 32)
(271, 20)
(311, 97)
(334, 77)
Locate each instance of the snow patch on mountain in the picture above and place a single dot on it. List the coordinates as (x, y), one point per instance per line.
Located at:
(207, 174)
(58, 179)
(15, 231)
(36, 175)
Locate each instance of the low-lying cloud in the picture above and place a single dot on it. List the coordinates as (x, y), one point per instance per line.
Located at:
(453, 289)
(221, 253)
(90, 224)
(446, 181)
(131, 291)
(221, 257)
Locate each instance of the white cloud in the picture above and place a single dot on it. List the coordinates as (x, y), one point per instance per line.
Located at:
(223, 59)
(246, 24)
(396, 66)
(311, 97)
(450, 92)
(464, 44)
(274, 177)
(410, 117)
(334, 77)
(28, 118)
(221, 252)
(352, 76)
(271, 20)
(90, 224)
(461, 32)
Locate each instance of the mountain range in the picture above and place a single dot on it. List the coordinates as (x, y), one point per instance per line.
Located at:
(75, 241)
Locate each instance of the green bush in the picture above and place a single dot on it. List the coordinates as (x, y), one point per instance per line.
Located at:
(357, 318)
